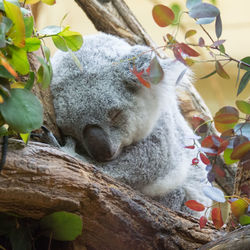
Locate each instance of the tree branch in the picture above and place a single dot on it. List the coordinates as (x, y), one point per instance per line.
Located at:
(39, 179)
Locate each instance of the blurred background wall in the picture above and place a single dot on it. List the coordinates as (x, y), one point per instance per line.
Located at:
(216, 92)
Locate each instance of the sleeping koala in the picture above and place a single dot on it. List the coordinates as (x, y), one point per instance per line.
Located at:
(135, 134)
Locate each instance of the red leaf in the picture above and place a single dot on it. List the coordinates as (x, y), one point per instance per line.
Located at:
(220, 70)
(223, 146)
(203, 221)
(187, 50)
(217, 218)
(196, 122)
(178, 55)
(190, 147)
(162, 15)
(195, 161)
(194, 205)
(139, 77)
(240, 151)
(204, 159)
(227, 115)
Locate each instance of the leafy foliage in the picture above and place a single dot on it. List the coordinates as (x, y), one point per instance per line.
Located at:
(22, 232)
(234, 141)
(202, 13)
(21, 111)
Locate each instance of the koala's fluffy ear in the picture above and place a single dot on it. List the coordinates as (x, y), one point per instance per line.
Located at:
(139, 58)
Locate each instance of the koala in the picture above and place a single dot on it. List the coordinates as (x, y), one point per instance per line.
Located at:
(134, 134)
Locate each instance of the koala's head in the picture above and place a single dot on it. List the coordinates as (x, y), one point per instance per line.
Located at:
(104, 106)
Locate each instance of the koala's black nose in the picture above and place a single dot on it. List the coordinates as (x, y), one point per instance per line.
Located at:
(97, 143)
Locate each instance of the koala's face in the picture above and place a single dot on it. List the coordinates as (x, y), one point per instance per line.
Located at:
(104, 107)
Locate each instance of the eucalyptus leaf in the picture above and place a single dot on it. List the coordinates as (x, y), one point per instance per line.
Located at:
(205, 20)
(246, 60)
(22, 111)
(51, 30)
(192, 3)
(5, 73)
(44, 73)
(60, 43)
(19, 60)
(243, 82)
(156, 72)
(32, 44)
(214, 193)
(218, 26)
(204, 10)
(64, 226)
(29, 24)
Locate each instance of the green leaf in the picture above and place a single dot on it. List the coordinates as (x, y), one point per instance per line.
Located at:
(29, 24)
(60, 43)
(243, 106)
(155, 71)
(22, 111)
(239, 207)
(76, 61)
(176, 8)
(243, 82)
(17, 32)
(5, 26)
(222, 49)
(246, 60)
(64, 226)
(191, 3)
(210, 74)
(163, 15)
(220, 70)
(46, 52)
(29, 84)
(203, 10)
(11, 1)
(25, 137)
(227, 156)
(218, 26)
(72, 39)
(29, 1)
(5, 74)
(19, 60)
(32, 44)
(190, 33)
(49, 2)
(44, 73)
(51, 30)
(244, 220)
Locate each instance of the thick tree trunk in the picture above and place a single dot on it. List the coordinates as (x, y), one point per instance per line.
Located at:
(38, 179)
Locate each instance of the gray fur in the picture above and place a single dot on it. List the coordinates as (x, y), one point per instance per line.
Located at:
(149, 135)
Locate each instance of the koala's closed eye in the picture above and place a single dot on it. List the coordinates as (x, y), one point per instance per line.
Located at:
(132, 86)
(115, 115)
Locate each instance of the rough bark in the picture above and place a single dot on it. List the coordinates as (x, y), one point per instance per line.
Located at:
(38, 179)
(237, 240)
